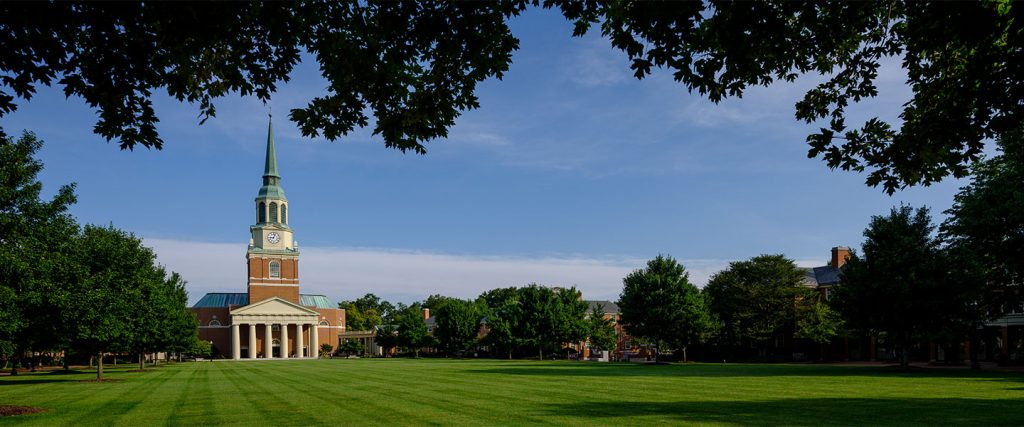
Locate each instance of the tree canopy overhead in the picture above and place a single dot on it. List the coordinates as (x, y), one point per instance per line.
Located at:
(414, 66)
(962, 62)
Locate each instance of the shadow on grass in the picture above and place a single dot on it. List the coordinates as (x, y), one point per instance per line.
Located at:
(828, 411)
(20, 380)
(739, 370)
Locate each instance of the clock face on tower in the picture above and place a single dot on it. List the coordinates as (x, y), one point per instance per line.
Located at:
(273, 237)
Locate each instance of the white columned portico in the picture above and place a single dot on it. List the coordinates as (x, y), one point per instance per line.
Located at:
(278, 311)
(235, 350)
(284, 341)
(252, 340)
(268, 341)
(314, 341)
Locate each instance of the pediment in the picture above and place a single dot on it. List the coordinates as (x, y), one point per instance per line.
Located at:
(274, 306)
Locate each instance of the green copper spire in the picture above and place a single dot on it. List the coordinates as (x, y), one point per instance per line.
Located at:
(271, 188)
(271, 167)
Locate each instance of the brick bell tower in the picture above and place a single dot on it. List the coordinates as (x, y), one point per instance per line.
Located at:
(273, 254)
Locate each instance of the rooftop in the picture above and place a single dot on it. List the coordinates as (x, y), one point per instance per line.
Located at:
(818, 276)
(226, 299)
(608, 306)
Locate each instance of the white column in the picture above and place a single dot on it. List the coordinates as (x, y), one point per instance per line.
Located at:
(235, 350)
(252, 340)
(284, 341)
(268, 342)
(298, 339)
(314, 341)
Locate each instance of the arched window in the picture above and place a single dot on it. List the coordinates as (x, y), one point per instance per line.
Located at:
(275, 328)
(214, 322)
(324, 323)
(262, 213)
(273, 212)
(275, 269)
(284, 213)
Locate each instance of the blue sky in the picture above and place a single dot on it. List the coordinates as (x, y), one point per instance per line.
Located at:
(571, 172)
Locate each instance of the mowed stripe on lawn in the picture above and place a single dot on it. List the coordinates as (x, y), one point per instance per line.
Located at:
(501, 392)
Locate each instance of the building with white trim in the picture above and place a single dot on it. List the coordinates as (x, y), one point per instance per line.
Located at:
(272, 319)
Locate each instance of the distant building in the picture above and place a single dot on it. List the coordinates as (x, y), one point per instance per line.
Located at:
(272, 319)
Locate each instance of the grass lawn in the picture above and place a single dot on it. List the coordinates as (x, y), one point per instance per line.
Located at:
(489, 392)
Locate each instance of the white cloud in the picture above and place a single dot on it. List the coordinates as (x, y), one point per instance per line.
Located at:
(342, 273)
(596, 63)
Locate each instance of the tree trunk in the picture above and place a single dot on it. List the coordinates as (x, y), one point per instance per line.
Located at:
(973, 356)
(684, 354)
(540, 351)
(510, 355)
(142, 361)
(15, 360)
(905, 351)
(91, 361)
(99, 367)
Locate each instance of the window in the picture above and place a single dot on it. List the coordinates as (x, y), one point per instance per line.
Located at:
(262, 213)
(273, 212)
(275, 269)
(275, 328)
(284, 213)
(324, 323)
(214, 322)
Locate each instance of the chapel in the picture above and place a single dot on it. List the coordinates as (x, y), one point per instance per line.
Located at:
(272, 319)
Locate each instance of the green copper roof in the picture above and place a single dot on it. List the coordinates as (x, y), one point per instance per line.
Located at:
(271, 188)
(318, 301)
(218, 299)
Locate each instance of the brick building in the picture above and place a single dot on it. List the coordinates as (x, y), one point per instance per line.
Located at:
(272, 319)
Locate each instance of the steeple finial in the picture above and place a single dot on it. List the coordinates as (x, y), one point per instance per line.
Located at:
(271, 167)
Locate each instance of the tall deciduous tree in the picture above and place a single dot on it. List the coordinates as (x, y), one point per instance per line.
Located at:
(37, 252)
(898, 286)
(502, 320)
(570, 318)
(107, 301)
(536, 322)
(986, 224)
(387, 338)
(366, 312)
(411, 328)
(533, 317)
(601, 330)
(818, 322)
(758, 300)
(181, 333)
(161, 320)
(660, 304)
(457, 323)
